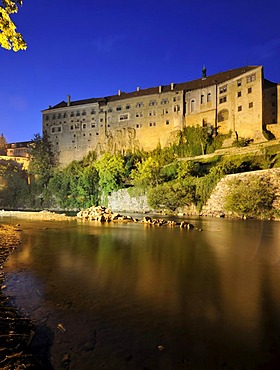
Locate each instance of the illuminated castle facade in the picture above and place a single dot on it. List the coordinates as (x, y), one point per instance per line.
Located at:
(240, 101)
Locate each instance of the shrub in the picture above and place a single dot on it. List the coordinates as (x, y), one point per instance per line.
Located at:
(251, 198)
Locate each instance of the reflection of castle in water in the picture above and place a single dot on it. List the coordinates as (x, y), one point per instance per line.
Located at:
(240, 100)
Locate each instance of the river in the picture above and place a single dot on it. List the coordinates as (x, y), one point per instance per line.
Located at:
(131, 296)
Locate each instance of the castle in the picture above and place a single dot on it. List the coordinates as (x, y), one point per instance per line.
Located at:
(239, 100)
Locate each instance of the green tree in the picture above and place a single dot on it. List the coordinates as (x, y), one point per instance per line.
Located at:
(3, 143)
(9, 37)
(42, 165)
(146, 174)
(111, 170)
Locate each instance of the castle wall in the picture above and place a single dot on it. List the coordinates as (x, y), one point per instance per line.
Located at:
(152, 117)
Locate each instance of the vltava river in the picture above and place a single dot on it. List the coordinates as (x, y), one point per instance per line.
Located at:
(128, 296)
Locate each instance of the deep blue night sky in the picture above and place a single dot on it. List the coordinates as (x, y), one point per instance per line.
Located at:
(91, 48)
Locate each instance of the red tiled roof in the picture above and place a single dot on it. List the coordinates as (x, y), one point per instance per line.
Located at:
(217, 78)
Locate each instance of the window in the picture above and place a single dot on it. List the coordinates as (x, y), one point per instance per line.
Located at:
(273, 104)
(164, 101)
(239, 83)
(77, 114)
(192, 105)
(53, 130)
(93, 111)
(239, 94)
(202, 99)
(223, 99)
(72, 114)
(84, 125)
(251, 78)
(84, 113)
(139, 105)
(152, 103)
(65, 115)
(101, 120)
(127, 106)
(251, 105)
(53, 117)
(176, 108)
(92, 125)
(71, 128)
(77, 126)
(119, 108)
(239, 108)
(139, 114)
(273, 94)
(47, 117)
(59, 116)
(123, 117)
(223, 89)
(249, 90)
(167, 122)
(209, 97)
(59, 129)
(152, 113)
(223, 115)
(110, 110)
(152, 124)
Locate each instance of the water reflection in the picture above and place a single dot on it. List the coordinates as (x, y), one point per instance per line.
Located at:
(210, 297)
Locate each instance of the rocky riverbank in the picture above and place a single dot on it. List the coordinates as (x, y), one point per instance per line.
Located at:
(39, 215)
(21, 345)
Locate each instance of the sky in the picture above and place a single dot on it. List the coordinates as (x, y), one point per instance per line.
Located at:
(90, 48)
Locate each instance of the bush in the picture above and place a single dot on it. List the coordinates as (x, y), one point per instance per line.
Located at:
(251, 198)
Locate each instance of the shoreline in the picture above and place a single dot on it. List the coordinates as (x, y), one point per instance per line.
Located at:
(20, 343)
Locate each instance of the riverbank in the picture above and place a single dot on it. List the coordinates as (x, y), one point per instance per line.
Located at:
(20, 344)
(36, 215)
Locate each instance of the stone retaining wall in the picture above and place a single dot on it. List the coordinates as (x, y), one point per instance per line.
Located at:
(122, 201)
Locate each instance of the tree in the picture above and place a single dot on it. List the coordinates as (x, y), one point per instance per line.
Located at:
(111, 171)
(146, 174)
(3, 143)
(9, 37)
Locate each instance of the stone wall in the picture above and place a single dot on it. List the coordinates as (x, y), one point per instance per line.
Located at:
(122, 201)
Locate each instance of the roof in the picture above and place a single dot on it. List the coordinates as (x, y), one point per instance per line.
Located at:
(217, 78)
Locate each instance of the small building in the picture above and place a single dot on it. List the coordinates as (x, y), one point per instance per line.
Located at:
(20, 149)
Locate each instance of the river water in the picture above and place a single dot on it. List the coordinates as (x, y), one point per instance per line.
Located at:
(128, 296)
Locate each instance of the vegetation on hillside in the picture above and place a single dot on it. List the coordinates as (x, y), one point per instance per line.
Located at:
(168, 180)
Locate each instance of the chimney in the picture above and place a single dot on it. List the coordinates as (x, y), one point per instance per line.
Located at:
(172, 86)
(204, 72)
(68, 100)
(137, 88)
(119, 92)
(160, 89)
